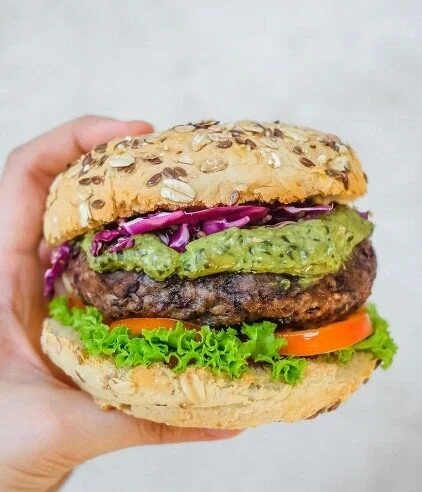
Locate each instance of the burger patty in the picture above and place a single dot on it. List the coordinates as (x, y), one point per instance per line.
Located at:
(230, 298)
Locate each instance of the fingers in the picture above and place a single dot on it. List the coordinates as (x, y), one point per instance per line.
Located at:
(100, 431)
(31, 168)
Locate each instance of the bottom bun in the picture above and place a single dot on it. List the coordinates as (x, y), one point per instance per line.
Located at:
(199, 398)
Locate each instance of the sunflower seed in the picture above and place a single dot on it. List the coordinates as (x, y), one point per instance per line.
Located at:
(237, 132)
(321, 160)
(297, 150)
(122, 144)
(206, 123)
(330, 143)
(101, 148)
(213, 165)
(278, 133)
(98, 204)
(137, 143)
(168, 172)
(200, 141)
(295, 135)
(87, 160)
(155, 161)
(215, 136)
(155, 138)
(339, 175)
(154, 179)
(306, 162)
(225, 144)
(120, 160)
(270, 158)
(97, 180)
(333, 407)
(251, 126)
(177, 191)
(332, 138)
(240, 139)
(184, 128)
(85, 181)
(345, 180)
(84, 214)
(183, 159)
(129, 169)
(234, 197)
(102, 160)
(269, 142)
(340, 164)
(322, 410)
(250, 143)
(85, 169)
(179, 172)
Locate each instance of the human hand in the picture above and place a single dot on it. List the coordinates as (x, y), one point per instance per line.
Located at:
(47, 426)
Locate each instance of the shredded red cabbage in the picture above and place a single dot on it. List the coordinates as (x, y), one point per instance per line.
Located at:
(301, 212)
(59, 260)
(198, 223)
(122, 243)
(162, 220)
(179, 239)
(105, 236)
(213, 226)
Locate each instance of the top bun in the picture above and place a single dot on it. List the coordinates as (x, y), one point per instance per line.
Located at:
(200, 165)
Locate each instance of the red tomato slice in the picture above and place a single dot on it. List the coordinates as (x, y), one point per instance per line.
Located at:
(137, 325)
(76, 302)
(328, 338)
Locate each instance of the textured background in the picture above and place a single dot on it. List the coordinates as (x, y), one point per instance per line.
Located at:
(353, 68)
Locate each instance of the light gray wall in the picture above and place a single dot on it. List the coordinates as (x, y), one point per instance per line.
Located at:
(353, 68)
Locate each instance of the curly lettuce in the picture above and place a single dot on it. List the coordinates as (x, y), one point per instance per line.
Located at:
(380, 343)
(222, 351)
(225, 351)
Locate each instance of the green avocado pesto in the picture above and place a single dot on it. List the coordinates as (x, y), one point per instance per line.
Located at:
(308, 249)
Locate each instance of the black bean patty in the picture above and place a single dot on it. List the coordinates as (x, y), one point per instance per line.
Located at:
(230, 298)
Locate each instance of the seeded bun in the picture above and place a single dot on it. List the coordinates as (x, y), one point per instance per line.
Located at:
(197, 397)
(200, 165)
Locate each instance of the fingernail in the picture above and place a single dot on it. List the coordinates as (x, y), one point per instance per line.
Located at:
(222, 433)
(140, 122)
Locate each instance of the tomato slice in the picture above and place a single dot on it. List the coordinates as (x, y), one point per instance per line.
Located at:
(328, 338)
(137, 325)
(76, 302)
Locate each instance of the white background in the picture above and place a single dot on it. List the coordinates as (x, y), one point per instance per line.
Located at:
(348, 67)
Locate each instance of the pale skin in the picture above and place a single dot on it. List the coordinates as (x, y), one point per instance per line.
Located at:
(48, 427)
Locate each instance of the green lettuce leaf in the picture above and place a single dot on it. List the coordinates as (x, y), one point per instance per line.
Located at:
(221, 351)
(380, 343)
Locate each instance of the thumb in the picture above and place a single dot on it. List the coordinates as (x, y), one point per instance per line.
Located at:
(94, 432)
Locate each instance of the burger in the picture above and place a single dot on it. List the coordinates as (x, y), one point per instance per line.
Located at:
(214, 275)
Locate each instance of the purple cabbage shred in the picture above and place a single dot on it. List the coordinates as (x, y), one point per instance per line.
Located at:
(59, 260)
